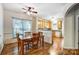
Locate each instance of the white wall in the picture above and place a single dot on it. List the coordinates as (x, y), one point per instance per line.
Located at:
(69, 31)
(76, 28)
(8, 24)
(34, 24)
(1, 28)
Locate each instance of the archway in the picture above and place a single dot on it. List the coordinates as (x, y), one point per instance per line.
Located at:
(71, 30)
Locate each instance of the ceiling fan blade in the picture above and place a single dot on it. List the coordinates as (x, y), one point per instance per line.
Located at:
(34, 11)
(23, 8)
(31, 7)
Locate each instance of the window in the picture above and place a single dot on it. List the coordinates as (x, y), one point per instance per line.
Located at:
(21, 26)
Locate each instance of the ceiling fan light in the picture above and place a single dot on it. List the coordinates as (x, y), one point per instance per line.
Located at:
(28, 13)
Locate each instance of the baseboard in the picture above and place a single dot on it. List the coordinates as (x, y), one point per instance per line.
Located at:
(70, 51)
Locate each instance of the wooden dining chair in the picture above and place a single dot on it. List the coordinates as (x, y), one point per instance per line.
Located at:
(19, 43)
(40, 38)
(35, 34)
(40, 35)
(35, 41)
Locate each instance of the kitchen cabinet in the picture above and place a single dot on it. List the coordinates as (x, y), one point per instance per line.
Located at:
(44, 24)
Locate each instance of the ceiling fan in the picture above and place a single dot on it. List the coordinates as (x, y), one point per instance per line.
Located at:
(29, 9)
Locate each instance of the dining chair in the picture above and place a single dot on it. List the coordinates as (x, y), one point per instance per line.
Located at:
(35, 41)
(19, 43)
(35, 34)
(40, 34)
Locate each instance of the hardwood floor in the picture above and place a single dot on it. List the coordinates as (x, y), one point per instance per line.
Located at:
(11, 49)
(57, 46)
(71, 51)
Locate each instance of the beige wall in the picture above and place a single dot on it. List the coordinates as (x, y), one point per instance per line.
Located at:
(1, 28)
(8, 24)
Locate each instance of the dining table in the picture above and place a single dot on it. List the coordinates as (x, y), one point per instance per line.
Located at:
(27, 40)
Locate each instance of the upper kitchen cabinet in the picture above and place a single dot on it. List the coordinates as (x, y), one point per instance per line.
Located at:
(44, 24)
(59, 23)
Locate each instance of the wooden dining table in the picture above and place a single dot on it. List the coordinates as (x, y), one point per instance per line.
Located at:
(28, 40)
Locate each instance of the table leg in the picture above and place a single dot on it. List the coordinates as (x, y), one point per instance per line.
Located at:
(22, 48)
(43, 41)
(40, 41)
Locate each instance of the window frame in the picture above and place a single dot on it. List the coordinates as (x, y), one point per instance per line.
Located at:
(22, 20)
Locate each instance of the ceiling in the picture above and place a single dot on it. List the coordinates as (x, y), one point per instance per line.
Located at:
(44, 9)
